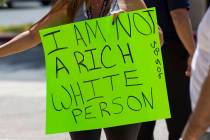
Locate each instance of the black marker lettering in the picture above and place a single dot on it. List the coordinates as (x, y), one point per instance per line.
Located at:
(111, 80)
(154, 44)
(157, 61)
(115, 102)
(88, 113)
(146, 100)
(135, 15)
(94, 98)
(76, 113)
(134, 99)
(94, 33)
(56, 44)
(149, 13)
(128, 31)
(93, 59)
(102, 54)
(160, 75)
(156, 51)
(129, 54)
(131, 78)
(79, 36)
(59, 68)
(92, 84)
(62, 104)
(81, 61)
(103, 106)
(159, 69)
(77, 95)
(69, 95)
(53, 102)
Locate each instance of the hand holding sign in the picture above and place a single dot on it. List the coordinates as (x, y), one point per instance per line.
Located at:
(102, 75)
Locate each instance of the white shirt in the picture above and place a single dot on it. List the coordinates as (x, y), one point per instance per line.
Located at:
(201, 60)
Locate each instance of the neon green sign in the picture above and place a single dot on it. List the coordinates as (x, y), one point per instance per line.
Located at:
(101, 74)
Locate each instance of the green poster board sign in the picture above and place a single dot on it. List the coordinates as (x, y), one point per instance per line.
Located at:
(101, 74)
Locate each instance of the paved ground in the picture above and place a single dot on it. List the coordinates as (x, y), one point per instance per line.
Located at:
(23, 12)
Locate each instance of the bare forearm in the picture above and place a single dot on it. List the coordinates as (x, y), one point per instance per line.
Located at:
(30, 38)
(21, 42)
(130, 5)
(200, 119)
(183, 27)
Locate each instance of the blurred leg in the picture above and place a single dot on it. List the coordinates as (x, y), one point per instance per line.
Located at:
(127, 132)
(175, 60)
(86, 135)
(146, 131)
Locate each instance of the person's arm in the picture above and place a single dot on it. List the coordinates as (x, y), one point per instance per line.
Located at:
(183, 27)
(200, 119)
(184, 30)
(130, 5)
(30, 38)
(181, 20)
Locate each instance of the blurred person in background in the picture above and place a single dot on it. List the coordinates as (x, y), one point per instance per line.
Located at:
(177, 53)
(198, 127)
(68, 11)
